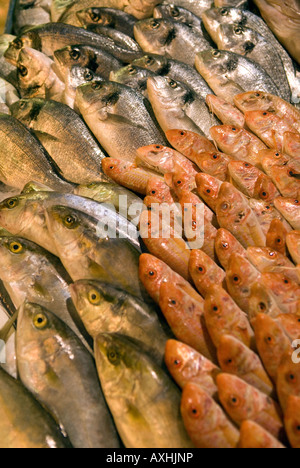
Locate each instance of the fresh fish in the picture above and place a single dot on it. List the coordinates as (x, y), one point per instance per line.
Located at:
(8, 96)
(277, 236)
(291, 144)
(134, 385)
(262, 301)
(272, 343)
(175, 70)
(242, 402)
(267, 260)
(24, 423)
(185, 316)
(161, 159)
(239, 143)
(189, 143)
(197, 7)
(186, 365)
(177, 41)
(205, 421)
(205, 272)
(7, 71)
(177, 14)
(231, 3)
(224, 317)
(293, 244)
(254, 436)
(119, 117)
(292, 420)
(134, 77)
(226, 112)
(285, 291)
(225, 245)
(24, 159)
(289, 208)
(240, 276)
(87, 251)
(108, 17)
(65, 137)
(51, 357)
(214, 164)
(281, 168)
(249, 43)
(237, 359)
(99, 61)
(287, 382)
(157, 187)
(176, 106)
(208, 188)
(105, 309)
(251, 181)
(234, 214)
(36, 77)
(28, 13)
(266, 214)
(229, 74)
(182, 177)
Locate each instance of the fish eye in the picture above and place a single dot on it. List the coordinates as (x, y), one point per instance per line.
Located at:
(215, 156)
(234, 401)
(194, 412)
(23, 70)
(15, 247)
(154, 24)
(173, 84)
(176, 362)
(290, 377)
(40, 321)
(149, 61)
(18, 43)
(74, 54)
(94, 297)
(272, 254)
(95, 17)
(113, 356)
(247, 165)
(225, 206)
(224, 12)
(88, 75)
(12, 203)
(236, 279)
(238, 30)
(22, 104)
(233, 129)
(174, 12)
(70, 221)
(216, 53)
(257, 94)
(225, 245)
(97, 85)
(172, 302)
(296, 202)
(277, 155)
(264, 195)
(132, 70)
(201, 269)
(262, 306)
(152, 274)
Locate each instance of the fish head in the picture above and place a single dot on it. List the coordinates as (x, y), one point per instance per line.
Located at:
(215, 64)
(196, 406)
(218, 303)
(74, 55)
(77, 76)
(240, 274)
(152, 273)
(15, 47)
(182, 361)
(225, 245)
(182, 140)
(236, 38)
(215, 17)
(113, 168)
(211, 161)
(154, 34)
(157, 157)
(158, 64)
(99, 97)
(19, 212)
(200, 265)
(263, 257)
(242, 171)
(96, 16)
(14, 253)
(33, 69)
(269, 335)
(292, 420)
(234, 395)
(133, 76)
(261, 121)
(253, 100)
(230, 355)
(164, 91)
(208, 188)
(27, 110)
(288, 381)
(232, 203)
(279, 284)
(289, 207)
(271, 158)
(227, 135)
(159, 189)
(261, 301)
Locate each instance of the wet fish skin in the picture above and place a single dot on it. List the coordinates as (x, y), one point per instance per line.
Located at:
(189, 143)
(286, 291)
(196, 7)
(242, 402)
(8, 96)
(186, 365)
(262, 300)
(224, 3)
(225, 245)
(133, 384)
(134, 77)
(176, 70)
(65, 137)
(158, 188)
(205, 421)
(208, 188)
(205, 272)
(281, 168)
(291, 420)
(254, 436)
(291, 144)
(177, 14)
(229, 74)
(293, 244)
(32, 426)
(226, 112)
(266, 213)
(267, 260)
(166, 37)
(108, 17)
(119, 117)
(276, 236)
(289, 208)
(46, 347)
(287, 382)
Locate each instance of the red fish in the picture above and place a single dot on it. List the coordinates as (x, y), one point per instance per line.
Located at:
(292, 421)
(205, 272)
(189, 143)
(208, 188)
(253, 436)
(225, 245)
(225, 111)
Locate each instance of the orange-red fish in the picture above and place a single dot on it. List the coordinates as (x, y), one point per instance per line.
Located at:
(288, 379)
(225, 245)
(205, 272)
(127, 174)
(291, 144)
(290, 324)
(189, 143)
(267, 260)
(159, 158)
(277, 235)
(293, 244)
(272, 343)
(251, 181)
(269, 127)
(185, 365)
(208, 189)
(262, 301)
(214, 164)
(153, 272)
(238, 143)
(237, 359)
(224, 317)
(290, 209)
(285, 291)
(185, 317)
(157, 188)
(292, 421)
(234, 214)
(260, 101)
(243, 402)
(253, 436)
(281, 169)
(182, 177)
(266, 213)
(225, 111)
(206, 423)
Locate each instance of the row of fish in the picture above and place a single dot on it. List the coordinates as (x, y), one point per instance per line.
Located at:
(112, 112)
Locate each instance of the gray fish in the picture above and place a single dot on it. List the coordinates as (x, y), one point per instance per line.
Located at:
(134, 77)
(109, 17)
(8, 96)
(195, 6)
(23, 421)
(178, 14)
(65, 137)
(28, 13)
(177, 107)
(61, 374)
(175, 40)
(246, 41)
(121, 118)
(22, 158)
(175, 70)
(229, 74)
(7, 71)
(97, 60)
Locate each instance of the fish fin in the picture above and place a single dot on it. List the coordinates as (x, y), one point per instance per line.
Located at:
(44, 136)
(119, 119)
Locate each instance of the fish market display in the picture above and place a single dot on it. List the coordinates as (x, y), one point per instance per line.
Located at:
(150, 224)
